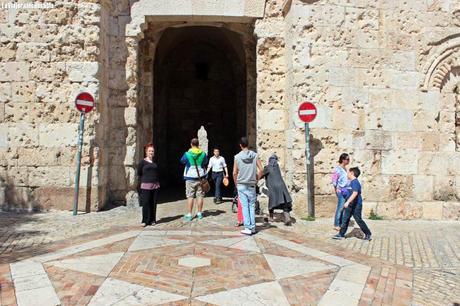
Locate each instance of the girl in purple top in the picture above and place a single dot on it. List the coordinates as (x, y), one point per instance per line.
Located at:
(340, 183)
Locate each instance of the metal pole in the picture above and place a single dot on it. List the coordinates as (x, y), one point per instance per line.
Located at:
(77, 174)
(309, 168)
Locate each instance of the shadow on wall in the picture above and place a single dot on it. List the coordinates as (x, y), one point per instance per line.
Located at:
(315, 147)
(17, 198)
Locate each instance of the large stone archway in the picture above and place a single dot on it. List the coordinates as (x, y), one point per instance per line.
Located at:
(234, 24)
(199, 81)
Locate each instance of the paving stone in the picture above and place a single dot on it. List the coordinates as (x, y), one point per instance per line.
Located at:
(235, 262)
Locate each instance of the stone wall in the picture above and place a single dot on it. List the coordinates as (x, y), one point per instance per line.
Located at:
(384, 75)
(46, 57)
(362, 64)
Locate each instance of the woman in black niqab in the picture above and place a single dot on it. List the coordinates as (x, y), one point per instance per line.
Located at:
(278, 195)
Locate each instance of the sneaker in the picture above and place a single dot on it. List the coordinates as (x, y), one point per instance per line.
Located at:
(218, 201)
(215, 200)
(246, 232)
(199, 215)
(368, 237)
(338, 237)
(253, 231)
(188, 217)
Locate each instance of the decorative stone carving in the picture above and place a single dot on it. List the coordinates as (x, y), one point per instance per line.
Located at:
(443, 60)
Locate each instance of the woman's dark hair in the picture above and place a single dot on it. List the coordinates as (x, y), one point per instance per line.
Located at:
(343, 157)
(244, 142)
(149, 145)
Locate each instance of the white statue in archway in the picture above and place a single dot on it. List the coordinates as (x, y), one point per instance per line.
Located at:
(203, 139)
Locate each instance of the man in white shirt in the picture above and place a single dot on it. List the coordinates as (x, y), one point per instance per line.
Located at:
(219, 171)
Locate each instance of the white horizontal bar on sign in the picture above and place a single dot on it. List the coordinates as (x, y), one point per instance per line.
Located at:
(85, 103)
(307, 112)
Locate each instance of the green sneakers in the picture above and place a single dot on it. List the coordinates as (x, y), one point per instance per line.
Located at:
(188, 217)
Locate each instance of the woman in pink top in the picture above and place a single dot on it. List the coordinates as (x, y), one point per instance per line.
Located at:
(149, 184)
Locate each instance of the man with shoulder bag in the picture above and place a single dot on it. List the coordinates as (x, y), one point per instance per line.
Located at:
(196, 184)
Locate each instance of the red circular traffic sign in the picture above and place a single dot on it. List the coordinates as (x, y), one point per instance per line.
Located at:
(307, 112)
(84, 102)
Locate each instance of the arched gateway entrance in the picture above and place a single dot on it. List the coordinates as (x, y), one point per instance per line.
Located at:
(194, 76)
(199, 81)
(181, 65)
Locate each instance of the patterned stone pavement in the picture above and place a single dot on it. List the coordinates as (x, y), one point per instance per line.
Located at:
(107, 259)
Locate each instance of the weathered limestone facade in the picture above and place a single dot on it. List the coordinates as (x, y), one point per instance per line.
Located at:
(384, 74)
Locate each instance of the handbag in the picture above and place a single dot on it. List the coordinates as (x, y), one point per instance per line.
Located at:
(203, 181)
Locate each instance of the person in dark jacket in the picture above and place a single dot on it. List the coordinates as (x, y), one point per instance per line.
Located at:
(148, 186)
(278, 195)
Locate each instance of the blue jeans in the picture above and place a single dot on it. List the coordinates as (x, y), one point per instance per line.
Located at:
(217, 177)
(339, 211)
(247, 196)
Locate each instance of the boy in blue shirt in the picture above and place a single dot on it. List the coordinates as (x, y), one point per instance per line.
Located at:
(353, 207)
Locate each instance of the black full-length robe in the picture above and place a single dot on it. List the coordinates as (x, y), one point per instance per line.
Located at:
(278, 195)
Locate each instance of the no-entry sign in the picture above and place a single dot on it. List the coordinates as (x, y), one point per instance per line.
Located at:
(84, 102)
(307, 112)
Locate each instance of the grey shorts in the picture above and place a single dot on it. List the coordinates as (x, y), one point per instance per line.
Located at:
(193, 189)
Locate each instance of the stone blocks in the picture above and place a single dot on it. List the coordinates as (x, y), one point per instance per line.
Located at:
(361, 63)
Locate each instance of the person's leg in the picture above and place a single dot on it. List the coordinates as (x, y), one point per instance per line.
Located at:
(252, 197)
(214, 178)
(287, 215)
(271, 214)
(359, 220)
(154, 207)
(240, 212)
(144, 202)
(339, 210)
(244, 200)
(190, 194)
(218, 181)
(150, 207)
(190, 205)
(347, 213)
(199, 196)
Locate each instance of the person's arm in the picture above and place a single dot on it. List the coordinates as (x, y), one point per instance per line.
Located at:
(210, 164)
(224, 164)
(204, 164)
(335, 181)
(350, 199)
(355, 188)
(261, 169)
(266, 171)
(139, 174)
(235, 171)
(139, 169)
(183, 159)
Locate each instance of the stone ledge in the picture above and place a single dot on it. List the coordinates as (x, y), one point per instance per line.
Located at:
(219, 10)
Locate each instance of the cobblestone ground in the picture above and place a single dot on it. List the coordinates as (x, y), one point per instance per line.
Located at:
(432, 249)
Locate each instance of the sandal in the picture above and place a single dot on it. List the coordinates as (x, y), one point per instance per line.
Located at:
(238, 224)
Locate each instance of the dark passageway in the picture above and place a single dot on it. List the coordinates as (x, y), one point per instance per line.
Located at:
(199, 80)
